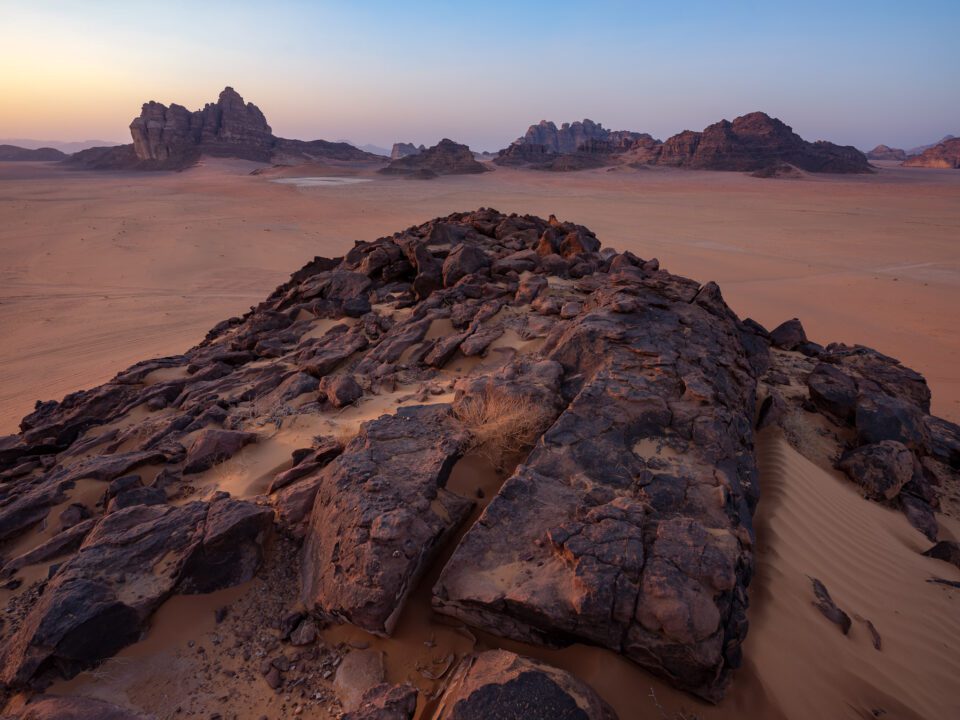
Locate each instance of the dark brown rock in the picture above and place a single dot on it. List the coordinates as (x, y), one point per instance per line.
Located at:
(833, 391)
(824, 603)
(99, 601)
(212, 446)
(881, 469)
(499, 685)
(788, 335)
(946, 550)
(380, 516)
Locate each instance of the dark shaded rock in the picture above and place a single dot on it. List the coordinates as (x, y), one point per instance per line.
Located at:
(881, 469)
(824, 603)
(212, 446)
(231, 548)
(788, 335)
(137, 496)
(99, 601)
(946, 550)
(380, 516)
(465, 259)
(920, 515)
(499, 685)
(386, 702)
(341, 390)
(834, 391)
(881, 417)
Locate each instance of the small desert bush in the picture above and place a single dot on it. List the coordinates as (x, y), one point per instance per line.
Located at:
(502, 425)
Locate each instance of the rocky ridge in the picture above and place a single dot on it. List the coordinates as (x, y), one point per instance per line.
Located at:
(444, 158)
(753, 142)
(945, 155)
(883, 152)
(12, 153)
(172, 138)
(627, 396)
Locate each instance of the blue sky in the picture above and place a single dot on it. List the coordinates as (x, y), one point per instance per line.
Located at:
(852, 72)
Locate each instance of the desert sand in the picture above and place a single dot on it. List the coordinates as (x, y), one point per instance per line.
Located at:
(102, 270)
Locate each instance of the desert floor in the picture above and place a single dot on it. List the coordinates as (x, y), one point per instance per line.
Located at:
(100, 270)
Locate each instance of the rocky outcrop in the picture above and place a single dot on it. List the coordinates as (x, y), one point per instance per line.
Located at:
(499, 684)
(616, 400)
(172, 138)
(572, 146)
(755, 141)
(12, 153)
(133, 559)
(444, 158)
(402, 150)
(752, 143)
(945, 154)
(381, 515)
(883, 436)
(883, 152)
(921, 148)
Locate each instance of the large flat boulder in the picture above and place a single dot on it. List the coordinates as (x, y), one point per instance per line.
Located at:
(380, 515)
(629, 525)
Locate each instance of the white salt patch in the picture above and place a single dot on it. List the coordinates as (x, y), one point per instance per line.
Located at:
(319, 181)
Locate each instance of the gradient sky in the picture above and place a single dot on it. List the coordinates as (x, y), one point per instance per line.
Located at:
(852, 72)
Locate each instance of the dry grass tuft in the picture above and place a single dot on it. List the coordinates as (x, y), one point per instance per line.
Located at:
(501, 425)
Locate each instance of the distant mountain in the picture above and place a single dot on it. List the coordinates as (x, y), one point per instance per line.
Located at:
(369, 147)
(64, 147)
(572, 146)
(945, 154)
(753, 142)
(884, 152)
(13, 153)
(172, 138)
(401, 150)
(444, 158)
(921, 148)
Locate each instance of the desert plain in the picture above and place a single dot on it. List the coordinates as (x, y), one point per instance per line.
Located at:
(101, 270)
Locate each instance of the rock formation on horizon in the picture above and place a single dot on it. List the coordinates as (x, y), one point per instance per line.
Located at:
(620, 402)
(921, 148)
(884, 152)
(172, 138)
(402, 150)
(945, 154)
(444, 158)
(753, 142)
(572, 146)
(12, 153)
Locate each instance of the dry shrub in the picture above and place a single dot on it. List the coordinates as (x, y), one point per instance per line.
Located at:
(501, 425)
